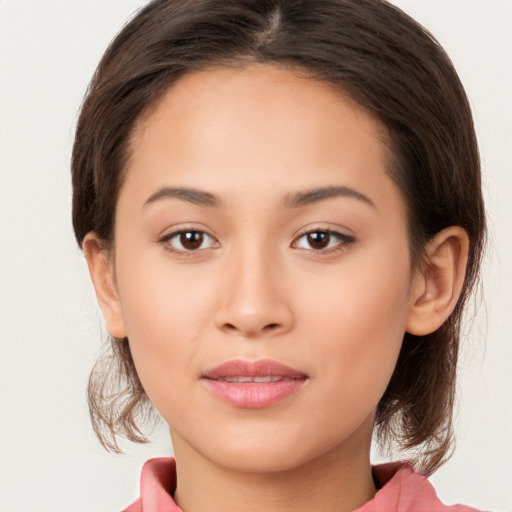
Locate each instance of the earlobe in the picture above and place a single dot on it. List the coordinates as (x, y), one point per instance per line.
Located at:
(438, 284)
(101, 270)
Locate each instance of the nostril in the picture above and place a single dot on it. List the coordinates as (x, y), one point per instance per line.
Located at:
(228, 327)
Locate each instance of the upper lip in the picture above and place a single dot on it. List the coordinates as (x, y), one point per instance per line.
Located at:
(260, 368)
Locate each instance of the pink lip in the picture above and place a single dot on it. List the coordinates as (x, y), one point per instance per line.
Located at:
(222, 381)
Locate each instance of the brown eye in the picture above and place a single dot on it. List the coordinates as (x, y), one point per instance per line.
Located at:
(318, 239)
(323, 241)
(191, 240)
(188, 241)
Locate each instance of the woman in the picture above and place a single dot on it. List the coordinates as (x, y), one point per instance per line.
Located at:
(280, 206)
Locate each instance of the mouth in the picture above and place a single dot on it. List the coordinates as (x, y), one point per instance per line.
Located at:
(255, 380)
(254, 385)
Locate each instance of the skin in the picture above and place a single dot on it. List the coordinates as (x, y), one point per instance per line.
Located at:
(256, 288)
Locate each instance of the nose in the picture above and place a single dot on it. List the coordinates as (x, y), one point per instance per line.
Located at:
(254, 300)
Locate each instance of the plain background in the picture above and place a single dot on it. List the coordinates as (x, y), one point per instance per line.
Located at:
(50, 327)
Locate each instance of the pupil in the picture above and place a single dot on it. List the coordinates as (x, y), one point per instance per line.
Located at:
(318, 239)
(191, 239)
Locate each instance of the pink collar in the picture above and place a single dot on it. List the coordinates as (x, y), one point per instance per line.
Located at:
(401, 490)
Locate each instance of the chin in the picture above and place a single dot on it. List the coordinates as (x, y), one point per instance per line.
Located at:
(264, 461)
(267, 453)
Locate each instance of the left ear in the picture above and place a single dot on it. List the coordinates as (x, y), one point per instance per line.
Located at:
(437, 284)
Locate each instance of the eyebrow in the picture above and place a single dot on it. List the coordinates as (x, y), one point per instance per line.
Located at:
(296, 200)
(308, 197)
(191, 195)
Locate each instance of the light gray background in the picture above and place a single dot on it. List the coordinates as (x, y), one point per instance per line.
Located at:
(50, 324)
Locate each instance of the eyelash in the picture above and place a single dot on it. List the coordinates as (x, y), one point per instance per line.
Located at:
(343, 241)
(167, 239)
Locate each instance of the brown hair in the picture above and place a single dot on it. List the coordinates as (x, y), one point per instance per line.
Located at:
(386, 62)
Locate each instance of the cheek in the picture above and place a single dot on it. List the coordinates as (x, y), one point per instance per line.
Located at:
(167, 310)
(358, 322)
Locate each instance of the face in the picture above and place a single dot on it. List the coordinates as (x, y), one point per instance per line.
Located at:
(262, 267)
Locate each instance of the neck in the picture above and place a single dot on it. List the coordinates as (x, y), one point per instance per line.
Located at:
(339, 481)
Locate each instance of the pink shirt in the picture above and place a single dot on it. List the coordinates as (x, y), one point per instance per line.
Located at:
(401, 490)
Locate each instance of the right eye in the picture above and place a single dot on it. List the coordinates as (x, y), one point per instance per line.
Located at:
(188, 240)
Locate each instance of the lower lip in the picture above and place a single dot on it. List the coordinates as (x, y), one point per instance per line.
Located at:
(254, 395)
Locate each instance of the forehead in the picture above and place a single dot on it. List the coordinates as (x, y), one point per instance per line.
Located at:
(223, 93)
(239, 126)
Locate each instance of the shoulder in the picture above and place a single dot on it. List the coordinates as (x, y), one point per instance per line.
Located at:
(404, 490)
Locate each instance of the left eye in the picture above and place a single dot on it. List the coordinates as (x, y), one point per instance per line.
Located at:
(189, 240)
(321, 239)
